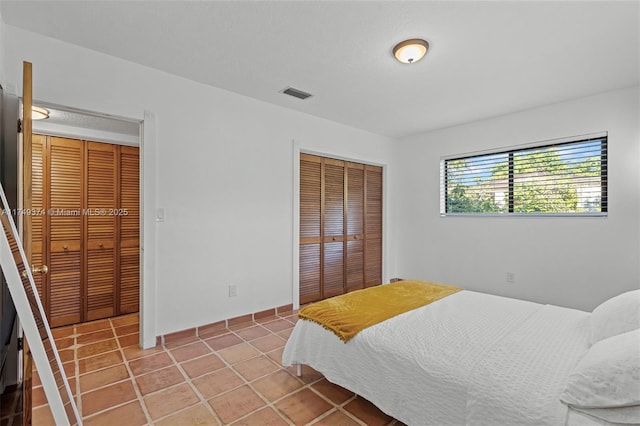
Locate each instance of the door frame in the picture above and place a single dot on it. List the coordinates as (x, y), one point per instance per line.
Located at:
(297, 149)
(147, 181)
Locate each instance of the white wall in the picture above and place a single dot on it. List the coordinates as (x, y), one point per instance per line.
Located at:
(575, 262)
(224, 174)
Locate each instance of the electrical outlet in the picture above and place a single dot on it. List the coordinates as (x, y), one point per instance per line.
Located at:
(511, 277)
(232, 290)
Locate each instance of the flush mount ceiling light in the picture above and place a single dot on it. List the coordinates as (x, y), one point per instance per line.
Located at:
(39, 113)
(411, 51)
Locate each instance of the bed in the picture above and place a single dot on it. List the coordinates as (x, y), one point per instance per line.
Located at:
(477, 359)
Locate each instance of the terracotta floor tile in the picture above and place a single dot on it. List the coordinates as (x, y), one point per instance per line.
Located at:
(69, 368)
(35, 380)
(89, 327)
(190, 351)
(107, 397)
(337, 394)
(276, 355)
(235, 404)
(170, 400)
(159, 379)
(217, 382)
(221, 342)
(367, 412)
(103, 377)
(267, 319)
(125, 320)
(108, 394)
(238, 353)
(303, 406)
(92, 349)
(96, 362)
(212, 332)
(265, 417)
(256, 367)
(269, 343)
(285, 333)
(67, 354)
(131, 353)
(278, 325)
(199, 366)
(276, 385)
(65, 342)
(196, 415)
(42, 416)
(207, 329)
(61, 332)
(127, 329)
(130, 414)
(181, 342)
(309, 375)
(95, 336)
(252, 332)
(129, 340)
(150, 363)
(241, 325)
(292, 318)
(38, 397)
(337, 418)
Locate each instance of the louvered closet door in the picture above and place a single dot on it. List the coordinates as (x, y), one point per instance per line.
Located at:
(38, 216)
(129, 217)
(333, 226)
(373, 217)
(355, 226)
(65, 218)
(310, 226)
(100, 222)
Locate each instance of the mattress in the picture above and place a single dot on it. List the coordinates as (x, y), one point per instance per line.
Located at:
(441, 364)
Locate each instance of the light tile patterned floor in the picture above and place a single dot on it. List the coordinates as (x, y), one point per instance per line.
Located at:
(228, 376)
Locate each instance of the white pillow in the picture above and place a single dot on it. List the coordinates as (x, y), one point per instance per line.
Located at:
(615, 316)
(608, 376)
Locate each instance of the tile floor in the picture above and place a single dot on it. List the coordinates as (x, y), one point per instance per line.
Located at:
(226, 376)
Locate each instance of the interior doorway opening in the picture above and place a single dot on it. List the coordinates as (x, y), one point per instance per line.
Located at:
(86, 235)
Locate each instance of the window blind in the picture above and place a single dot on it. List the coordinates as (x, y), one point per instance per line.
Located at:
(553, 179)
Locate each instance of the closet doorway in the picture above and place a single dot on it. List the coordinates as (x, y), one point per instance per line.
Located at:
(85, 222)
(340, 227)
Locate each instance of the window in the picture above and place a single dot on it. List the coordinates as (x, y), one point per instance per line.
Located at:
(562, 178)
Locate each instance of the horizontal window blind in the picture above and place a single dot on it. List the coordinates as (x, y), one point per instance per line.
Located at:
(555, 179)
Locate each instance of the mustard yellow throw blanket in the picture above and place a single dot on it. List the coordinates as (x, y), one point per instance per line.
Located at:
(350, 313)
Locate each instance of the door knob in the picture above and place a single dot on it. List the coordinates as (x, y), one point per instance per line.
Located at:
(36, 270)
(42, 269)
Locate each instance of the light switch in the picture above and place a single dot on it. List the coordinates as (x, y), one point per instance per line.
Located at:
(160, 214)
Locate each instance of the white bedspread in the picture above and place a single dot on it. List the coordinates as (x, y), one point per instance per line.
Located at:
(426, 366)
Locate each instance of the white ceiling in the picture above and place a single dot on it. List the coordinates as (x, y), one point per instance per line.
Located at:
(486, 58)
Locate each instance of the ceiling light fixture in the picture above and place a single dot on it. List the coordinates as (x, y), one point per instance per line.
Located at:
(411, 51)
(39, 113)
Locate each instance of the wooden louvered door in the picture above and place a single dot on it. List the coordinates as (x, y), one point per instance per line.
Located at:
(129, 230)
(310, 225)
(64, 226)
(373, 218)
(340, 227)
(38, 218)
(89, 193)
(101, 264)
(355, 226)
(333, 228)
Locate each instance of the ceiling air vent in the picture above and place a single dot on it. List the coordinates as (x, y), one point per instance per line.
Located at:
(296, 93)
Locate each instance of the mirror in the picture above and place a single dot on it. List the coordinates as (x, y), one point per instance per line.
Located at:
(17, 272)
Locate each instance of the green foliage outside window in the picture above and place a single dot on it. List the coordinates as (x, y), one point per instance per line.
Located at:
(556, 179)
